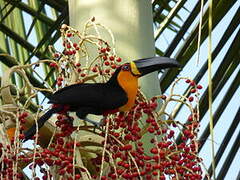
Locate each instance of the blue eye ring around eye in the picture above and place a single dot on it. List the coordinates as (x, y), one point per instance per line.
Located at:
(125, 67)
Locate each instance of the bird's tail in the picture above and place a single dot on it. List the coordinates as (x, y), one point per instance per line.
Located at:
(30, 132)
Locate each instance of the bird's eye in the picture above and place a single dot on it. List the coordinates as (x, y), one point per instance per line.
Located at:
(125, 67)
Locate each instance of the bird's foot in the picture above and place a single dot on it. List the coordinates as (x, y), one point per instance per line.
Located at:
(97, 125)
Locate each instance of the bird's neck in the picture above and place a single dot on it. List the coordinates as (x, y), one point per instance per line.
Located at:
(113, 80)
(129, 84)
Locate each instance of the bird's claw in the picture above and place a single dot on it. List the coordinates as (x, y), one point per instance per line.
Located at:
(97, 125)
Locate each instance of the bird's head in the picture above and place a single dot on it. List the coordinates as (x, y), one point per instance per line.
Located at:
(126, 76)
(145, 66)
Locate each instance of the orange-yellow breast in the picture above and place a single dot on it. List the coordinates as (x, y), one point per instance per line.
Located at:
(129, 83)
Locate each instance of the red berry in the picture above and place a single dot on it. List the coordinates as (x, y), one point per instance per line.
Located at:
(94, 69)
(119, 59)
(103, 178)
(151, 130)
(69, 34)
(108, 49)
(107, 63)
(49, 161)
(59, 83)
(24, 114)
(154, 150)
(77, 176)
(75, 45)
(19, 175)
(188, 81)
(61, 171)
(77, 64)
(126, 166)
(69, 46)
(128, 147)
(21, 136)
(190, 118)
(53, 65)
(199, 86)
(69, 52)
(23, 121)
(183, 138)
(192, 83)
(60, 79)
(111, 58)
(190, 98)
(162, 177)
(58, 162)
(113, 66)
(163, 97)
(104, 58)
(107, 71)
(56, 55)
(193, 90)
(103, 50)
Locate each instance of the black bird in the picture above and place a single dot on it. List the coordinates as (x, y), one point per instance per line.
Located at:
(116, 95)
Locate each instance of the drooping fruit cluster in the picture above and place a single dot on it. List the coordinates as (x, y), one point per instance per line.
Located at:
(160, 158)
(60, 152)
(74, 43)
(10, 152)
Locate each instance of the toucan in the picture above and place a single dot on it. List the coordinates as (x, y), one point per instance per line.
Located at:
(118, 94)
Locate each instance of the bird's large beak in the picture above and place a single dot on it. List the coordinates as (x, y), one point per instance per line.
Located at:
(142, 67)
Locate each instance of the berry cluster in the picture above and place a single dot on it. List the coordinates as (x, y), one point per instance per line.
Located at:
(165, 159)
(59, 155)
(104, 64)
(10, 153)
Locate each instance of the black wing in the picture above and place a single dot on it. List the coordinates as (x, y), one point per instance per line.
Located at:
(98, 95)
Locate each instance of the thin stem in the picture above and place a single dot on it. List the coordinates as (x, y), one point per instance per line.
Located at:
(210, 84)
